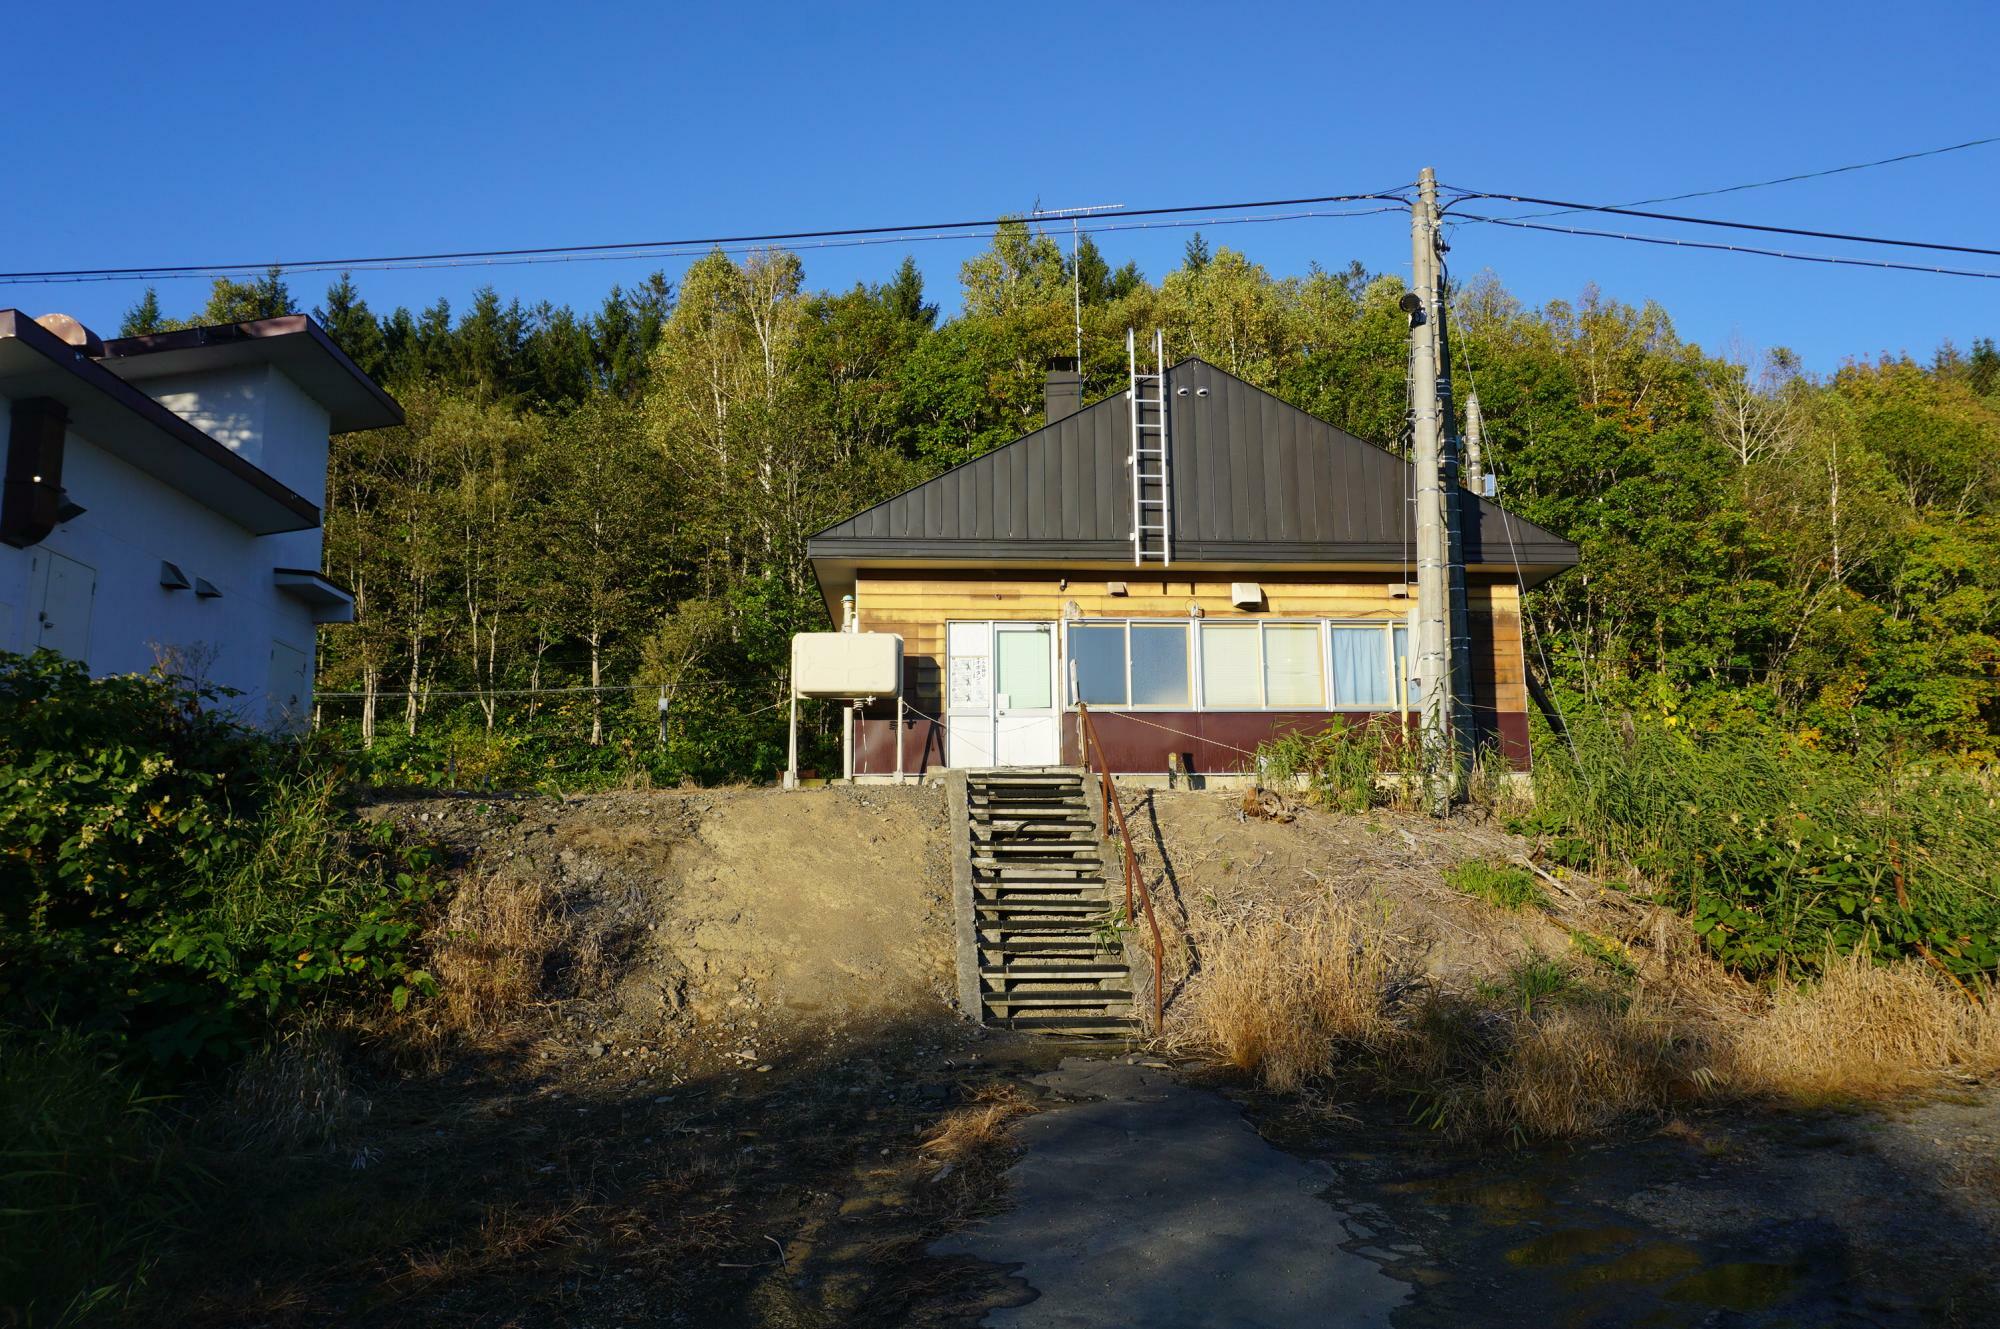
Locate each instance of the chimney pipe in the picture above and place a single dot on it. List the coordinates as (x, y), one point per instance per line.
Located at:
(1062, 391)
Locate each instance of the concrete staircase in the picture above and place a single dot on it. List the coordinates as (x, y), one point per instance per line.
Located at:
(1039, 956)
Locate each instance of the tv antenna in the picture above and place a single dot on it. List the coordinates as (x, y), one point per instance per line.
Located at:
(1076, 216)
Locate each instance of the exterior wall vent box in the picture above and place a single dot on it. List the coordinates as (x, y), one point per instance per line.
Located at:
(1246, 594)
(847, 664)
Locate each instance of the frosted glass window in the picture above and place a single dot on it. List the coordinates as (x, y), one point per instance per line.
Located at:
(1360, 669)
(1230, 671)
(1159, 664)
(1098, 651)
(1022, 669)
(1292, 666)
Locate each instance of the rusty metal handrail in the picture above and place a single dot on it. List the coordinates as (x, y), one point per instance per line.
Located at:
(1114, 807)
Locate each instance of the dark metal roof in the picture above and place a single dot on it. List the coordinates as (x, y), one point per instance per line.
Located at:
(1254, 481)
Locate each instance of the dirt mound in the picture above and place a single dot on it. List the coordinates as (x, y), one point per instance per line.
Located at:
(719, 911)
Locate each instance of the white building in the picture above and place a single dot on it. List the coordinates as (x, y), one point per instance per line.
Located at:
(163, 495)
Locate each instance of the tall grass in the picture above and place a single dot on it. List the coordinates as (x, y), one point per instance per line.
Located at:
(1780, 853)
(90, 1182)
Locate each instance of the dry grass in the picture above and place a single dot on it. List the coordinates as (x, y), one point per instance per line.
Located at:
(1281, 997)
(1560, 1049)
(1578, 1069)
(507, 1233)
(492, 950)
(293, 1092)
(977, 1130)
(1864, 1030)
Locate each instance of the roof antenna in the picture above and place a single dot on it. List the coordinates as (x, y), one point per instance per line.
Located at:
(1076, 216)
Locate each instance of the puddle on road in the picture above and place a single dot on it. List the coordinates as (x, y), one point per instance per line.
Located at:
(1518, 1239)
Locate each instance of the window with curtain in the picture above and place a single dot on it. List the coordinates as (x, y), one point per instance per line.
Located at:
(1292, 676)
(1361, 668)
(1231, 671)
(1159, 664)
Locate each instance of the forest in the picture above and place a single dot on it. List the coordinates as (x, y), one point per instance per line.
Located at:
(587, 512)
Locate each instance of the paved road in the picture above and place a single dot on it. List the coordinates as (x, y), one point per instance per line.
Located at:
(1150, 1203)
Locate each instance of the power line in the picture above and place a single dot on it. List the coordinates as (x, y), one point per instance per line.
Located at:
(1727, 225)
(656, 255)
(698, 243)
(1677, 243)
(1793, 179)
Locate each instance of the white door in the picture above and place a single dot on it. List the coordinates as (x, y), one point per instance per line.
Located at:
(1026, 724)
(287, 687)
(1001, 707)
(969, 694)
(68, 588)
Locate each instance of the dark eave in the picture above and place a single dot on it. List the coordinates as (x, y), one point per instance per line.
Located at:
(131, 426)
(296, 344)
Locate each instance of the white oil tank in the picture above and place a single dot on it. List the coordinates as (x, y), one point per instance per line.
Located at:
(847, 664)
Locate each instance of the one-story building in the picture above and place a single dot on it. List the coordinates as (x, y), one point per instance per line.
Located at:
(1269, 587)
(163, 499)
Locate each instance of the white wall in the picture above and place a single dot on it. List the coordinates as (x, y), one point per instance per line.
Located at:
(131, 524)
(257, 413)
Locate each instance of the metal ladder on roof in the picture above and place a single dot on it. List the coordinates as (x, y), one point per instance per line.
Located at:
(1152, 488)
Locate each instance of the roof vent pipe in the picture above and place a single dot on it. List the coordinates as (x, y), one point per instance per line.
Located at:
(1062, 391)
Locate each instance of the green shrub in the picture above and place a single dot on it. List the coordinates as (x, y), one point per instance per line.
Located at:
(1781, 853)
(1339, 764)
(1502, 884)
(173, 882)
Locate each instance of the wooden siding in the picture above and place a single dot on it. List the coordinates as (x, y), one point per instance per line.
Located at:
(917, 604)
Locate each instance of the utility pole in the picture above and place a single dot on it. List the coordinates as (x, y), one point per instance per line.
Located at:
(1475, 441)
(1464, 725)
(1433, 595)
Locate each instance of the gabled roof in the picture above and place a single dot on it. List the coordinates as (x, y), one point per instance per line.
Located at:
(1254, 481)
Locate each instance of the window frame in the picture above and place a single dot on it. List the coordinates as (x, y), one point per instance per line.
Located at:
(1197, 663)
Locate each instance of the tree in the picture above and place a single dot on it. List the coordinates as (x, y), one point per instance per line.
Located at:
(144, 317)
(346, 318)
(231, 301)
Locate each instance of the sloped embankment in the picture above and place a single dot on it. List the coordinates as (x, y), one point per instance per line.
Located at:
(660, 914)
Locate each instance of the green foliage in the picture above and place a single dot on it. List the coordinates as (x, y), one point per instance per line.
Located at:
(1340, 764)
(1506, 885)
(172, 882)
(90, 1183)
(1782, 851)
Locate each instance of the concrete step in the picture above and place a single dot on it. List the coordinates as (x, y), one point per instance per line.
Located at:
(1082, 911)
(1070, 973)
(1072, 1026)
(1102, 1000)
(1036, 866)
(1085, 887)
(1004, 930)
(1043, 947)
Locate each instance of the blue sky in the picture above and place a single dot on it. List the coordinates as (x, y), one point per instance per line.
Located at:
(186, 134)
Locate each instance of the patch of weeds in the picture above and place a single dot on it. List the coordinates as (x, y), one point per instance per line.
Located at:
(1539, 978)
(1502, 884)
(1608, 952)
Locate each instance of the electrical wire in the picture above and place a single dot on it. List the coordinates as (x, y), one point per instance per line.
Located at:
(1792, 179)
(642, 248)
(1757, 251)
(1715, 221)
(658, 255)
